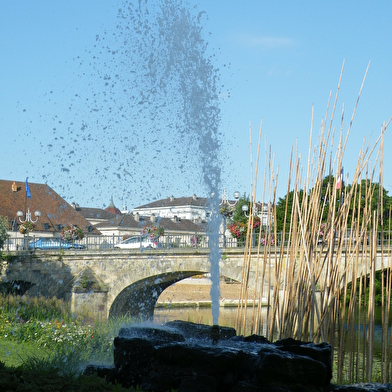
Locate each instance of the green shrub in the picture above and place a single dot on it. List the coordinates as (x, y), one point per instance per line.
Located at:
(47, 324)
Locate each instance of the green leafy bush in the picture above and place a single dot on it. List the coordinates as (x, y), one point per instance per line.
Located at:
(3, 230)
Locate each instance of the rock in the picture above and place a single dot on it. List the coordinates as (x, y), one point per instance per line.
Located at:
(153, 333)
(318, 352)
(296, 371)
(200, 331)
(186, 357)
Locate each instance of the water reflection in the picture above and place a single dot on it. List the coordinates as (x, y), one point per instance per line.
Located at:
(228, 315)
(203, 315)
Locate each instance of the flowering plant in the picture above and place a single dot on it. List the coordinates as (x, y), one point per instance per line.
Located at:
(324, 233)
(256, 223)
(26, 227)
(226, 211)
(153, 232)
(324, 230)
(195, 240)
(71, 233)
(264, 240)
(321, 230)
(238, 229)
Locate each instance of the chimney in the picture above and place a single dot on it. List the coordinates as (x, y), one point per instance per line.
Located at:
(171, 198)
(152, 217)
(137, 217)
(194, 197)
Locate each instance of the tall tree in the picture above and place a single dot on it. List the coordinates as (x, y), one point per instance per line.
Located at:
(281, 209)
(368, 193)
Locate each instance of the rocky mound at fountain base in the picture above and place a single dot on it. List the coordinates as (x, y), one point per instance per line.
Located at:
(193, 357)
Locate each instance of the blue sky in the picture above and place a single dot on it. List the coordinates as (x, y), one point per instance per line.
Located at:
(67, 119)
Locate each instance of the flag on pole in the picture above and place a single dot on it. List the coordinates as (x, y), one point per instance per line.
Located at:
(28, 194)
(339, 182)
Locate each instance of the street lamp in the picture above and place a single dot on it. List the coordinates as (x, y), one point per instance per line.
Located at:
(28, 216)
(225, 198)
(27, 219)
(245, 209)
(225, 203)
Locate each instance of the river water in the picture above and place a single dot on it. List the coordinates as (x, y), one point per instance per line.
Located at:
(203, 315)
(228, 316)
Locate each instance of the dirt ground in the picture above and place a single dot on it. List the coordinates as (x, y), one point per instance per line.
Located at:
(199, 290)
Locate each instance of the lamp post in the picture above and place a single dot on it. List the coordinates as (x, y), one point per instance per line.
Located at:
(28, 218)
(225, 202)
(245, 210)
(263, 226)
(225, 198)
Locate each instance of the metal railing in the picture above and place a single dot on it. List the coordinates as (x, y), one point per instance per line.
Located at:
(170, 241)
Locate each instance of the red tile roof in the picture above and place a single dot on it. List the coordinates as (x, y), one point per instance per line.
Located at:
(55, 210)
(112, 208)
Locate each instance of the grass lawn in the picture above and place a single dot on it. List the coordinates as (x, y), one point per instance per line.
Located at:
(13, 354)
(25, 368)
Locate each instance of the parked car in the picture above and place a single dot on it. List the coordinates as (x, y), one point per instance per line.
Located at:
(53, 243)
(137, 242)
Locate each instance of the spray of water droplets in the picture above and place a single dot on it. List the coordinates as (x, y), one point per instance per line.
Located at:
(177, 78)
(148, 115)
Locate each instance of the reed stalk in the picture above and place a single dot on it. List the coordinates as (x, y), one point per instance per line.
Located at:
(316, 288)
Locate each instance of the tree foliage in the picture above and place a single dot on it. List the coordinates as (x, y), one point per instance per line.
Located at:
(364, 201)
(238, 215)
(238, 220)
(281, 210)
(3, 230)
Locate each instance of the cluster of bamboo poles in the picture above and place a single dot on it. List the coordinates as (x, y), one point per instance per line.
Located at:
(309, 282)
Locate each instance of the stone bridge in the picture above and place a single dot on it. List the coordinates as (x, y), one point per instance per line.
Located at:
(118, 282)
(109, 283)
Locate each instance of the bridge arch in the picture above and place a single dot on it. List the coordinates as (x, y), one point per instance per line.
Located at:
(139, 298)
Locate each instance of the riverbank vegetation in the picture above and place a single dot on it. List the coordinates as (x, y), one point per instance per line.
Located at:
(44, 348)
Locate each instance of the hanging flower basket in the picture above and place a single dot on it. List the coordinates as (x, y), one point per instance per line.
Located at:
(153, 232)
(71, 233)
(226, 211)
(26, 228)
(238, 230)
